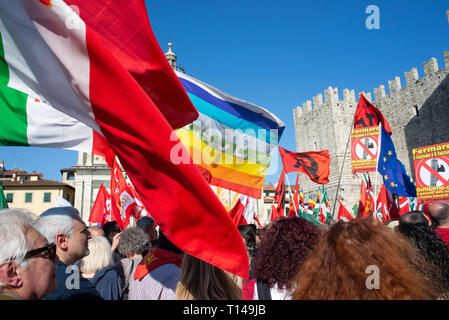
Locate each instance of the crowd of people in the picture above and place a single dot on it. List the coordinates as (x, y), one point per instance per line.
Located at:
(55, 256)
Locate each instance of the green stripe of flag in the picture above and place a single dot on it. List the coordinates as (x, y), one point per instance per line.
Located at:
(4, 71)
(13, 119)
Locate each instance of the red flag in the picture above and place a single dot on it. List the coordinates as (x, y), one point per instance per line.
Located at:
(237, 212)
(294, 205)
(291, 211)
(369, 200)
(382, 205)
(127, 91)
(368, 115)
(104, 210)
(243, 211)
(313, 163)
(121, 194)
(392, 206)
(343, 213)
(139, 211)
(322, 217)
(274, 213)
(280, 190)
(362, 200)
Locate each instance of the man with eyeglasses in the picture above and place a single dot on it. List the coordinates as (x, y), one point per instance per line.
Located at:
(64, 227)
(27, 261)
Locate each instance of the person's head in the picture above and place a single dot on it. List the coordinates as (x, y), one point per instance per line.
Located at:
(147, 224)
(413, 218)
(258, 236)
(27, 260)
(133, 241)
(100, 256)
(200, 280)
(110, 230)
(95, 231)
(439, 213)
(284, 246)
(248, 234)
(64, 227)
(164, 243)
(363, 260)
(416, 227)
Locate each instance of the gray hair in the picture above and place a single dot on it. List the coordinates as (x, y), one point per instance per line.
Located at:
(13, 240)
(133, 241)
(57, 220)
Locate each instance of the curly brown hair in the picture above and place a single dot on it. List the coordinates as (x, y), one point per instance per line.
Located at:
(337, 267)
(285, 244)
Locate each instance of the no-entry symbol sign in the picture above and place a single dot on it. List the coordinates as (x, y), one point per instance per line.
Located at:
(432, 172)
(364, 147)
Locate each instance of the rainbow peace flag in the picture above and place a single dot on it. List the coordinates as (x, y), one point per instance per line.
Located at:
(233, 139)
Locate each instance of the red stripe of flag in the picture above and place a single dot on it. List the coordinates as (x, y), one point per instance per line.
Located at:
(177, 196)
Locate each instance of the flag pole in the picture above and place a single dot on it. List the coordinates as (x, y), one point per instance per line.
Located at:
(291, 197)
(319, 203)
(377, 165)
(342, 167)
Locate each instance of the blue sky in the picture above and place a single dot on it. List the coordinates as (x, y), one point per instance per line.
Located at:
(278, 54)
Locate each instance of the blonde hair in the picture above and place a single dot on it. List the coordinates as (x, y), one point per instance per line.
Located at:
(100, 255)
(201, 281)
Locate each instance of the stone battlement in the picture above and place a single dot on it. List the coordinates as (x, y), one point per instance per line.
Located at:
(416, 113)
(331, 96)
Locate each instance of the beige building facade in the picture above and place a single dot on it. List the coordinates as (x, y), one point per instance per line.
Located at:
(29, 191)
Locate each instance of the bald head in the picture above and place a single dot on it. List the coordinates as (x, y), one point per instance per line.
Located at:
(96, 231)
(439, 212)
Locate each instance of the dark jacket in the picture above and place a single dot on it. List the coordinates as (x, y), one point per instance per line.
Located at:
(86, 290)
(108, 282)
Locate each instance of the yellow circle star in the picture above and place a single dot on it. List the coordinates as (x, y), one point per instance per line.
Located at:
(390, 153)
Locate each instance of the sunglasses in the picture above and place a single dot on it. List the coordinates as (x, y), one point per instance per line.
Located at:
(48, 252)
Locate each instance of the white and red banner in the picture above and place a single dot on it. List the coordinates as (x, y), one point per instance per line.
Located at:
(243, 211)
(121, 194)
(343, 213)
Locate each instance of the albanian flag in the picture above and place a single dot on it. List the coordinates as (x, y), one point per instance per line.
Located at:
(313, 163)
(368, 115)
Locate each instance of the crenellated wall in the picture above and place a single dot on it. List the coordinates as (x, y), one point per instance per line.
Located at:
(417, 114)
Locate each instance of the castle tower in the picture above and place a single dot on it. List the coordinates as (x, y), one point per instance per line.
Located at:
(416, 113)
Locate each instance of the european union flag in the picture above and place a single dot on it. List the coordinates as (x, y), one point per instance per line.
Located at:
(392, 170)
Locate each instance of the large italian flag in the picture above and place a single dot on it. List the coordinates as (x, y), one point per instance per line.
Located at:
(97, 66)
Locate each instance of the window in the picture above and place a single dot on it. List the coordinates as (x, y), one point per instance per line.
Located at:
(9, 197)
(47, 197)
(28, 197)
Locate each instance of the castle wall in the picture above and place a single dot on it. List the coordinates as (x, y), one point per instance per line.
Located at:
(417, 114)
